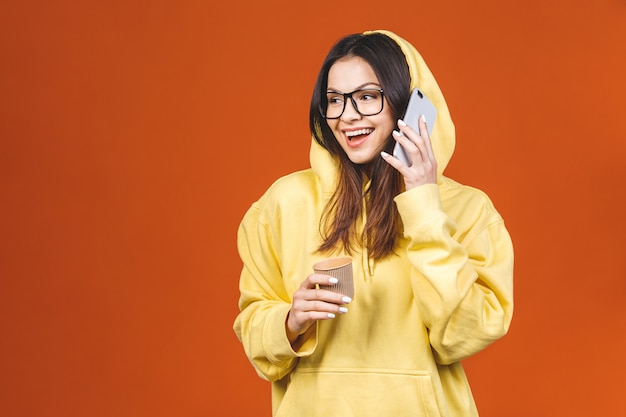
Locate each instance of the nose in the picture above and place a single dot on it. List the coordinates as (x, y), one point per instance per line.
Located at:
(350, 112)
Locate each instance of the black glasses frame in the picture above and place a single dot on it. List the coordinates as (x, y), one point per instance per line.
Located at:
(347, 96)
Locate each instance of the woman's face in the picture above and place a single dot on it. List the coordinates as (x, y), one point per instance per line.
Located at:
(361, 137)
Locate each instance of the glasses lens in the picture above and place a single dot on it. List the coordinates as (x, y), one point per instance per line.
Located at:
(368, 102)
(335, 103)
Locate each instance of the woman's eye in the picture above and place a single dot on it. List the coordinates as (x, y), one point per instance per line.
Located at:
(368, 96)
(335, 100)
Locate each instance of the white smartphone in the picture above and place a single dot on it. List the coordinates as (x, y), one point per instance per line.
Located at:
(418, 105)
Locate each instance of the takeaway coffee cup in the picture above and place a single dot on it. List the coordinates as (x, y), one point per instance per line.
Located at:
(340, 268)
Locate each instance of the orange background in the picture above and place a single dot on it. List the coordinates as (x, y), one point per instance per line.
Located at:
(134, 135)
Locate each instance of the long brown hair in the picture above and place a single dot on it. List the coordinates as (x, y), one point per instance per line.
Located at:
(382, 229)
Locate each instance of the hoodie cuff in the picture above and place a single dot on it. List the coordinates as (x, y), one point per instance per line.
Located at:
(276, 342)
(418, 204)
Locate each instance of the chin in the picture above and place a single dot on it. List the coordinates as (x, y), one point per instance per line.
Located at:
(360, 160)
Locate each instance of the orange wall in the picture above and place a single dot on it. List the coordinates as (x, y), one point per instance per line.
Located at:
(134, 135)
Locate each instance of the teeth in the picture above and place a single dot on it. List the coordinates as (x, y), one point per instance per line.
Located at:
(359, 132)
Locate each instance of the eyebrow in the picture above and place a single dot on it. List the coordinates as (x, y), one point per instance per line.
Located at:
(371, 83)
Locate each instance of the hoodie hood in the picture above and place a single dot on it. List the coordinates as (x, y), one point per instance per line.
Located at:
(443, 136)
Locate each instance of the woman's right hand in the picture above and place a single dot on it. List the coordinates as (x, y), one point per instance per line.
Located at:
(310, 304)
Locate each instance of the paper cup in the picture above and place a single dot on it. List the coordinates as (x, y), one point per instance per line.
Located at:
(340, 268)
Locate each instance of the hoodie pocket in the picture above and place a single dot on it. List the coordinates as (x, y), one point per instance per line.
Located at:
(357, 392)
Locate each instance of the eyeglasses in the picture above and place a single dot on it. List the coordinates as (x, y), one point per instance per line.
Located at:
(366, 101)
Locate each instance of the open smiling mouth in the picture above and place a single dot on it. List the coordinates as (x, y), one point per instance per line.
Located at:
(358, 134)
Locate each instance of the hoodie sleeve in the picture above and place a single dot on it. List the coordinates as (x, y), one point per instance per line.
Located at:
(264, 302)
(462, 279)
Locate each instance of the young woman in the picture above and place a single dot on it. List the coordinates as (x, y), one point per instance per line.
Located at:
(432, 259)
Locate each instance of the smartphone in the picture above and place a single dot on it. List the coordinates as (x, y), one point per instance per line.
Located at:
(418, 105)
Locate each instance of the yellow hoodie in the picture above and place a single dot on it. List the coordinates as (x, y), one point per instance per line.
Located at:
(414, 317)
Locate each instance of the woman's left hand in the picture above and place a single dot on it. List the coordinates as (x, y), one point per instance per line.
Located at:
(417, 145)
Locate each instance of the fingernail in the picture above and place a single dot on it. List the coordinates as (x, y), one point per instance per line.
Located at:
(396, 133)
(331, 316)
(384, 154)
(343, 310)
(423, 118)
(346, 299)
(333, 280)
(401, 122)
